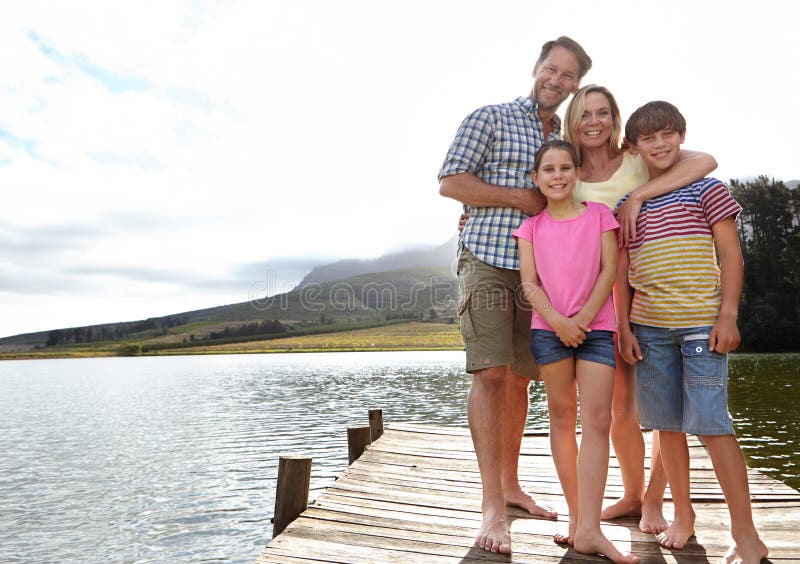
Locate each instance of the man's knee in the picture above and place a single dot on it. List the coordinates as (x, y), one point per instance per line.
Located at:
(493, 377)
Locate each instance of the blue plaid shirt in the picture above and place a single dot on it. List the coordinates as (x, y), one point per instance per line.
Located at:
(497, 144)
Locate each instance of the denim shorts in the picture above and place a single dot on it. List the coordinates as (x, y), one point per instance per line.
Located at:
(681, 386)
(597, 347)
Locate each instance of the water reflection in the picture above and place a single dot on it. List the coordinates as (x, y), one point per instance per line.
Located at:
(175, 459)
(764, 394)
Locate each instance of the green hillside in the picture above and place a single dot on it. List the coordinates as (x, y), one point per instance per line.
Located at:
(361, 302)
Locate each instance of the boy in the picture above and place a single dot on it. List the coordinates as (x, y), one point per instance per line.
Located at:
(682, 309)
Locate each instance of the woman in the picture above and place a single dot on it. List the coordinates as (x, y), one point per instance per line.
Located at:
(593, 124)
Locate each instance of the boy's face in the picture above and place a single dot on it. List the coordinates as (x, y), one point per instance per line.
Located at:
(659, 150)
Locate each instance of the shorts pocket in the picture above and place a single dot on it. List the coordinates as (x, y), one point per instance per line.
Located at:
(703, 368)
(464, 313)
(645, 369)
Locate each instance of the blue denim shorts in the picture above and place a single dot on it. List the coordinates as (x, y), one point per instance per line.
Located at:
(681, 386)
(597, 347)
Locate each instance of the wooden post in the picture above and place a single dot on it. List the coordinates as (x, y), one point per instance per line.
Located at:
(376, 423)
(357, 440)
(291, 495)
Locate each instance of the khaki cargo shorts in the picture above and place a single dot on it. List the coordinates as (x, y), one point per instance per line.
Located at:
(495, 328)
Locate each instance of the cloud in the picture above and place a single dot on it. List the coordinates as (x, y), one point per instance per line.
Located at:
(112, 81)
(151, 153)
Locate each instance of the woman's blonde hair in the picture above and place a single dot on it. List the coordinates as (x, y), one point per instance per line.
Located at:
(575, 111)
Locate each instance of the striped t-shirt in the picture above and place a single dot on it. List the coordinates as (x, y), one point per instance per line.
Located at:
(673, 263)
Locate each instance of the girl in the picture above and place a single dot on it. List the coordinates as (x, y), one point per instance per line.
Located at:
(568, 265)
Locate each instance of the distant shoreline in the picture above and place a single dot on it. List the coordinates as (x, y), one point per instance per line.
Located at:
(402, 337)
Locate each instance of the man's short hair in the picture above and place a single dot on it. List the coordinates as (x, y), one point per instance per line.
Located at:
(584, 61)
(652, 117)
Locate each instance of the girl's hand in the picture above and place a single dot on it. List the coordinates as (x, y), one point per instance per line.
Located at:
(629, 346)
(582, 321)
(570, 332)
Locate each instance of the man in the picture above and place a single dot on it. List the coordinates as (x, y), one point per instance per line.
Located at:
(488, 169)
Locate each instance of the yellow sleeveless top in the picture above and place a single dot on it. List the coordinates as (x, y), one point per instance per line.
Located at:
(631, 174)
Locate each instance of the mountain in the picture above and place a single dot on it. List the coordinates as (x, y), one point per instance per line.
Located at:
(413, 284)
(442, 255)
(792, 184)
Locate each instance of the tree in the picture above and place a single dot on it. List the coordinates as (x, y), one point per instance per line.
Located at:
(769, 231)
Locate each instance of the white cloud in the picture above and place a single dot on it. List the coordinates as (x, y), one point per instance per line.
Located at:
(252, 131)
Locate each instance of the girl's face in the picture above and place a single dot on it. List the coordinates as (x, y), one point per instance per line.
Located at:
(556, 175)
(597, 121)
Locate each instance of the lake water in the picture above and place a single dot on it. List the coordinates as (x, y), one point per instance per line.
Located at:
(174, 459)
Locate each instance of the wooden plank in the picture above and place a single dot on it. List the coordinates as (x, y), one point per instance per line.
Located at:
(415, 494)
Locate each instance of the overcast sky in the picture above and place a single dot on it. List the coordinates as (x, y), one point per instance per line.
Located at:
(163, 156)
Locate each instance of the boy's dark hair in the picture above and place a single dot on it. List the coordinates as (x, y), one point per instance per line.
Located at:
(559, 144)
(652, 117)
(584, 61)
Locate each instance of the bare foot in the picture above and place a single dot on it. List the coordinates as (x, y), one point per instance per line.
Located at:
(494, 535)
(597, 543)
(570, 537)
(677, 534)
(652, 520)
(624, 507)
(748, 550)
(526, 502)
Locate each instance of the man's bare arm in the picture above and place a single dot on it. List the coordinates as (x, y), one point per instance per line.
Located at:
(471, 190)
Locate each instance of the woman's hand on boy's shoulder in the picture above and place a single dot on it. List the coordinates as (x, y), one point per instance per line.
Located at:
(627, 213)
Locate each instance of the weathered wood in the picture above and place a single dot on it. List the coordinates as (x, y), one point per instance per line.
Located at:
(291, 494)
(415, 496)
(375, 424)
(358, 438)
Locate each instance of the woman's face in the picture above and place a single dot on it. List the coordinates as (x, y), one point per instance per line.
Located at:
(597, 121)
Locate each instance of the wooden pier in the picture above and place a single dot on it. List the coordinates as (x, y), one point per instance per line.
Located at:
(414, 496)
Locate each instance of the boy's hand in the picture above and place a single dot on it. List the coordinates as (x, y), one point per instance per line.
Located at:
(629, 346)
(627, 215)
(570, 333)
(724, 335)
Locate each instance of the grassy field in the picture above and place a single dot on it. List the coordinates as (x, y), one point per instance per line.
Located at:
(405, 336)
(400, 337)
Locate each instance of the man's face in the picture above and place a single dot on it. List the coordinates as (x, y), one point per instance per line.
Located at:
(555, 78)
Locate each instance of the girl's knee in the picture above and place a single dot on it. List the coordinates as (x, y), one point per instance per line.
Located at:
(563, 414)
(598, 418)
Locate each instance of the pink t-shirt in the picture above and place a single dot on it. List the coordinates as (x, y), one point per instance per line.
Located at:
(567, 254)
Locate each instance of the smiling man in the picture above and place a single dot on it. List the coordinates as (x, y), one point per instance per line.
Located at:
(488, 169)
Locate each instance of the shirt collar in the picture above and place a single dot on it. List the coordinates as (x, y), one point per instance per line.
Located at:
(531, 109)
